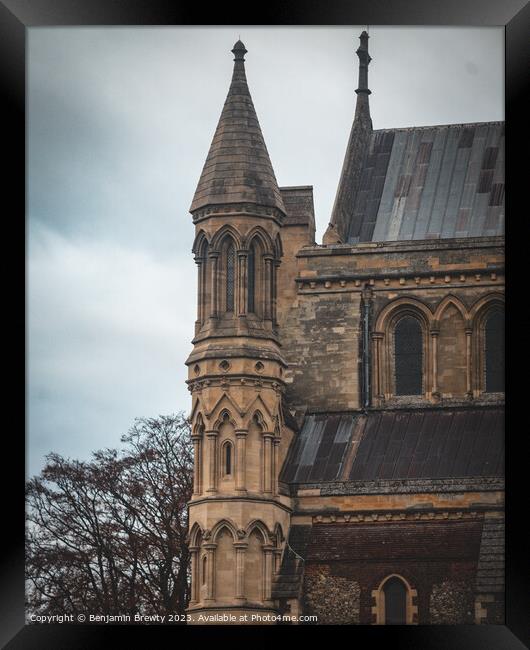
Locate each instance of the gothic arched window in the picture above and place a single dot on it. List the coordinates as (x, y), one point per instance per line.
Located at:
(395, 593)
(494, 351)
(408, 356)
(227, 458)
(230, 276)
(251, 275)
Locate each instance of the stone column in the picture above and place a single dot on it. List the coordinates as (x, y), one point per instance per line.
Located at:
(212, 460)
(195, 577)
(242, 275)
(277, 553)
(276, 265)
(275, 464)
(210, 566)
(214, 288)
(241, 548)
(200, 294)
(469, 389)
(267, 573)
(197, 465)
(434, 339)
(241, 459)
(267, 293)
(377, 337)
(267, 464)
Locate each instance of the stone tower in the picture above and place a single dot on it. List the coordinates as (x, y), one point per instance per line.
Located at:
(238, 518)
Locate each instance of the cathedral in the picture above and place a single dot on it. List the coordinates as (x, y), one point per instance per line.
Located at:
(348, 397)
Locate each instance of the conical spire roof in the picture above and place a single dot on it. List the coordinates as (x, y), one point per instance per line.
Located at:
(358, 143)
(238, 168)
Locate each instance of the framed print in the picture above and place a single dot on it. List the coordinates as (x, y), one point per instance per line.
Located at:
(289, 237)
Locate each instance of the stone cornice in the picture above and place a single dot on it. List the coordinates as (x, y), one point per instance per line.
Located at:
(238, 209)
(392, 280)
(408, 246)
(239, 498)
(225, 381)
(382, 517)
(402, 486)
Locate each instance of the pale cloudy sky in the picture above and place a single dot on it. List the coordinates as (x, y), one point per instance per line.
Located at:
(120, 122)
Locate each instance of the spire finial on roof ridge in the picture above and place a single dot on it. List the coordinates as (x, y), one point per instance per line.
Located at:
(239, 50)
(364, 60)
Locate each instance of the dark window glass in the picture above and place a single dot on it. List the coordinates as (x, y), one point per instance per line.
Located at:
(228, 458)
(408, 343)
(395, 602)
(230, 266)
(251, 269)
(204, 560)
(494, 352)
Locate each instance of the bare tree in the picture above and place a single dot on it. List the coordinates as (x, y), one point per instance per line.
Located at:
(108, 536)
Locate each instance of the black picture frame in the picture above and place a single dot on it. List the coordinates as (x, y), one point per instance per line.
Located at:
(18, 15)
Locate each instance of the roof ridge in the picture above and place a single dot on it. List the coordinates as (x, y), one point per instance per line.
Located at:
(438, 126)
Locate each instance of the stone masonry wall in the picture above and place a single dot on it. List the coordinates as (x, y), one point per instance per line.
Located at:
(334, 599)
(320, 308)
(451, 603)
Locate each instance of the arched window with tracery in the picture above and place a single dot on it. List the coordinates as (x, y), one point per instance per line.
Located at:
(494, 351)
(395, 595)
(230, 276)
(408, 356)
(251, 284)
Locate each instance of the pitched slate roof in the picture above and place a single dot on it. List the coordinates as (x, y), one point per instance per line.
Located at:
(426, 443)
(416, 541)
(238, 168)
(429, 183)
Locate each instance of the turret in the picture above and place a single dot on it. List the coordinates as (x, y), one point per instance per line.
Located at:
(237, 514)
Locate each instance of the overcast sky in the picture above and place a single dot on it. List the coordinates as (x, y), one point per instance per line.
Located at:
(120, 122)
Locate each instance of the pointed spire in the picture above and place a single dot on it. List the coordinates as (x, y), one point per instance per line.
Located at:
(238, 168)
(341, 215)
(363, 107)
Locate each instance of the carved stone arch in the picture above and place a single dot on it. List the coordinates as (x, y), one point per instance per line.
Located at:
(391, 310)
(225, 403)
(258, 273)
(195, 535)
(261, 421)
(200, 242)
(257, 233)
(453, 349)
(197, 408)
(222, 524)
(480, 312)
(383, 364)
(225, 232)
(198, 425)
(484, 303)
(378, 595)
(451, 300)
(278, 534)
(257, 524)
(265, 418)
(227, 458)
(224, 416)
